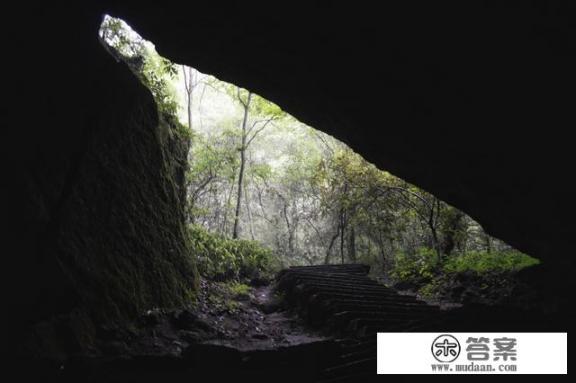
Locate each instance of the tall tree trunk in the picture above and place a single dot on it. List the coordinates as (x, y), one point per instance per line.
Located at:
(352, 244)
(381, 249)
(331, 245)
(289, 227)
(242, 167)
(189, 108)
(226, 208)
(435, 240)
(239, 194)
(388, 261)
(250, 219)
(432, 221)
(190, 82)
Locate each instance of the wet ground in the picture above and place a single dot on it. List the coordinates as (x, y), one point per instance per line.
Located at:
(232, 332)
(256, 320)
(240, 318)
(235, 332)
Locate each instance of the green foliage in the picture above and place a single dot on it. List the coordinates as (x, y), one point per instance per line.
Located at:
(223, 259)
(431, 289)
(156, 72)
(212, 156)
(238, 289)
(425, 273)
(482, 262)
(417, 268)
(261, 171)
(424, 265)
(262, 107)
(259, 107)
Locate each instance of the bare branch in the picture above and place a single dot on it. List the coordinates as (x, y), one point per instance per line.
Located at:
(259, 130)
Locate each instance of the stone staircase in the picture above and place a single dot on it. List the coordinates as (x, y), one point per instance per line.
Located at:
(343, 301)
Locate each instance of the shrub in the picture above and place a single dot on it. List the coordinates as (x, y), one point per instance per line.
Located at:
(226, 259)
(238, 290)
(415, 268)
(482, 262)
(475, 275)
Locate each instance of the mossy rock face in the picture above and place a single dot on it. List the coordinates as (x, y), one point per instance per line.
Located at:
(117, 237)
(122, 240)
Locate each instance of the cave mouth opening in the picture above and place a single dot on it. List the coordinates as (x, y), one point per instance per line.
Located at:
(265, 192)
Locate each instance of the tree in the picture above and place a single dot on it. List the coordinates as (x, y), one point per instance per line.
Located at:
(213, 167)
(257, 115)
(191, 81)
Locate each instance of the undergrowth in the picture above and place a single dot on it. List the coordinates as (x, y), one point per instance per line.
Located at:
(459, 277)
(224, 259)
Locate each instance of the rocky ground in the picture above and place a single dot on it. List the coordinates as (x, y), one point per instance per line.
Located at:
(239, 332)
(233, 331)
(240, 317)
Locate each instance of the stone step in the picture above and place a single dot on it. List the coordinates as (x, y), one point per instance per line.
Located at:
(343, 300)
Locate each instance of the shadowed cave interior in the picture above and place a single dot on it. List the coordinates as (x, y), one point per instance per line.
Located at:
(472, 103)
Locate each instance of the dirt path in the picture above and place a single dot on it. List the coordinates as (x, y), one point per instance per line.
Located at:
(248, 320)
(258, 322)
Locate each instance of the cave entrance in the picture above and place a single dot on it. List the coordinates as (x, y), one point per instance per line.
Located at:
(265, 192)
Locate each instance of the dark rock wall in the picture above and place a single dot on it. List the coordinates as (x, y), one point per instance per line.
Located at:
(120, 233)
(96, 206)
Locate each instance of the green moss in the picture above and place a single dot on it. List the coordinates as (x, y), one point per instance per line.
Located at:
(122, 240)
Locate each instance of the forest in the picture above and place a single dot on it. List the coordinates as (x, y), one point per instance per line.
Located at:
(265, 191)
